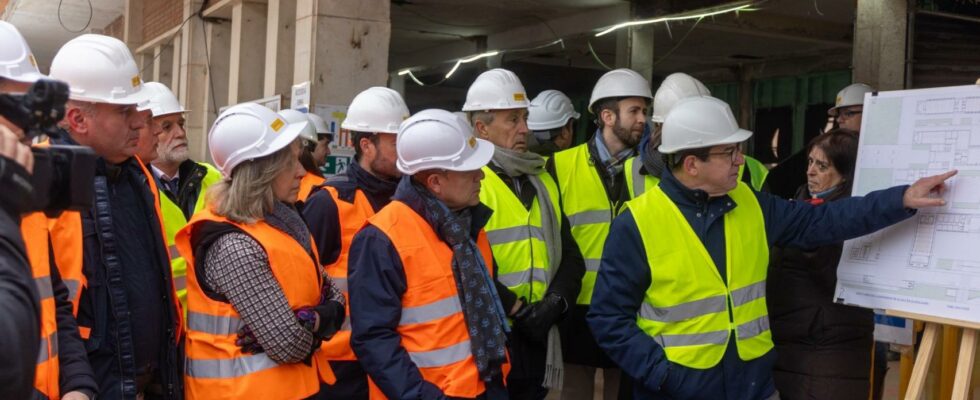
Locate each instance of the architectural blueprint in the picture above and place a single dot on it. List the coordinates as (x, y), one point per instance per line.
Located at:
(930, 263)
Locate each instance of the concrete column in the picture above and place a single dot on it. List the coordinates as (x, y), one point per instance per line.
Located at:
(641, 50)
(397, 83)
(174, 82)
(133, 23)
(193, 81)
(279, 47)
(247, 57)
(341, 47)
(219, 48)
(880, 34)
(163, 63)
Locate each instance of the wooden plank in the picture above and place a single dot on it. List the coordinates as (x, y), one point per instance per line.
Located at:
(947, 366)
(964, 367)
(921, 368)
(934, 319)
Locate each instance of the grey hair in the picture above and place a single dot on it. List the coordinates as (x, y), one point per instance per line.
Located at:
(86, 107)
(247, 195)
(483, 116)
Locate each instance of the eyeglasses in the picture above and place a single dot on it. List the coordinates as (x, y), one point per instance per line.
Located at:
(730, 153)
(849, 113)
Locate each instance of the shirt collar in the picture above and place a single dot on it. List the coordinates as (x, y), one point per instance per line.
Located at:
(163, 175)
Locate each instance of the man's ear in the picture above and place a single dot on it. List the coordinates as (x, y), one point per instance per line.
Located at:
(608, 117)
(690, 165)
(76, 120)
(481, 129)
(434, 183)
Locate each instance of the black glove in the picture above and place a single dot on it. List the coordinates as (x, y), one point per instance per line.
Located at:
(330, 316)
(535, 320)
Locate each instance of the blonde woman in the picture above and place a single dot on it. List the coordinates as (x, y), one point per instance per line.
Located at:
(258, 303)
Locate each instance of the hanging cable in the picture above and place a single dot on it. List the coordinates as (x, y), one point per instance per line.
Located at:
(87, 23)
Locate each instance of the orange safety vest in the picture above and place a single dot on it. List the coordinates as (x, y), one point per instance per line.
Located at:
(33, 227)
(352, 217)
(306, 185)
(215, 367)
(66, 239)
(432, 327)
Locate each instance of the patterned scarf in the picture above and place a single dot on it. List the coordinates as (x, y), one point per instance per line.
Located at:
(482, 310)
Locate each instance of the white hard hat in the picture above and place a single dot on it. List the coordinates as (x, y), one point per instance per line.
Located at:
(676, 86)
(295, 117)
(99, 69)
(851, 95)
(377, 109)
(622, 82)
(319, 125)
(698, 122)
(496, 89)
(549, 110)
(248, 131)
(161, 100)
(16, 60)
(437, 139)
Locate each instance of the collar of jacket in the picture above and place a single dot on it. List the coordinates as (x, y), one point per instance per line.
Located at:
(407, 194)
(684, 196)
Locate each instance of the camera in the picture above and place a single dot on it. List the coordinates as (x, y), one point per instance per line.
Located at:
(63, 174)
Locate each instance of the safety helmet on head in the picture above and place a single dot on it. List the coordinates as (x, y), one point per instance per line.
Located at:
(377, 109)
(161, 100)
(99, 69)
(850, 95)
(549, 110)
(675, 87)
(699, 122)
(622, 82)
(437, 139)
(295, 117)
(248, 131)
(319, 125)
(496, 89)
(16, 60)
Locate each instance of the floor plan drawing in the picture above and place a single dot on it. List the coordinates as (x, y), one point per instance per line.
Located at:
(930, 263)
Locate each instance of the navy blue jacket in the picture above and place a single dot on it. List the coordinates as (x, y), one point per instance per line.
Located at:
(376, 279)
(622, 283)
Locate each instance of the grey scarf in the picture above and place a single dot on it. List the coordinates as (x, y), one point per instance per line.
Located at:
(515, 164)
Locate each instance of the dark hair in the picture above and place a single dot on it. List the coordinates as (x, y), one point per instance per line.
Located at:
(677, 159)
(609, 103)
(840, 146)
(356, 137)
(306, 159)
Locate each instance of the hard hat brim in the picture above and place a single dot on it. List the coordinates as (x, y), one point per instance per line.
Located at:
(29, 77)
(738, 136)
(658, 119)
(480, 157)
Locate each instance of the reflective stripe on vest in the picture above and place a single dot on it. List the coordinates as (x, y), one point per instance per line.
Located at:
(432, 327)
(688, 309)
(352, 216)
(174, 220)
(636, 182)
(589, 212)
(517, 236)
(34, 230)
(215, 365)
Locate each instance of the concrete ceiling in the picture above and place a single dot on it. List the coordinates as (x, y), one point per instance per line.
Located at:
(38, 21)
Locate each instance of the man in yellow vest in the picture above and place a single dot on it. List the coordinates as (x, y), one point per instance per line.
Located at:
(538, 261)
(592, 186)
(182, 181)
(337, 210)
(62, 368)
(691, 321)
(427, 322)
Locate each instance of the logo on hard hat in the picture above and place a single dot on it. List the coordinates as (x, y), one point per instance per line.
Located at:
(30, 57)
(840, 99)
(277, 124)
(136, 81)
(471, 142)
(518, 96)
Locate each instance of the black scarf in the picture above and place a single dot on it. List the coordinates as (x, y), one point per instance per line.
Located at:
(482, 310)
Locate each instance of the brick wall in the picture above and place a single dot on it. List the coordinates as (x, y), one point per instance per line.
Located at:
(159, 16)
(115, 28)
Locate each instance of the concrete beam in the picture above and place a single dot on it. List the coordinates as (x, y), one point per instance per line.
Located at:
(520, 37)
(775, 26)
(341, 47)
(280, 47)
(247, 56)
(880, 35)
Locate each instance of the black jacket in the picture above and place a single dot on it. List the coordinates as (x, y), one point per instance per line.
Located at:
(191, 175)
(823, 349)
(19, 308)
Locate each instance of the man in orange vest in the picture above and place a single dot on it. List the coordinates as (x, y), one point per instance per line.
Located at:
(62, 369)
(337, 211)
(113, 256)
(426, 319)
